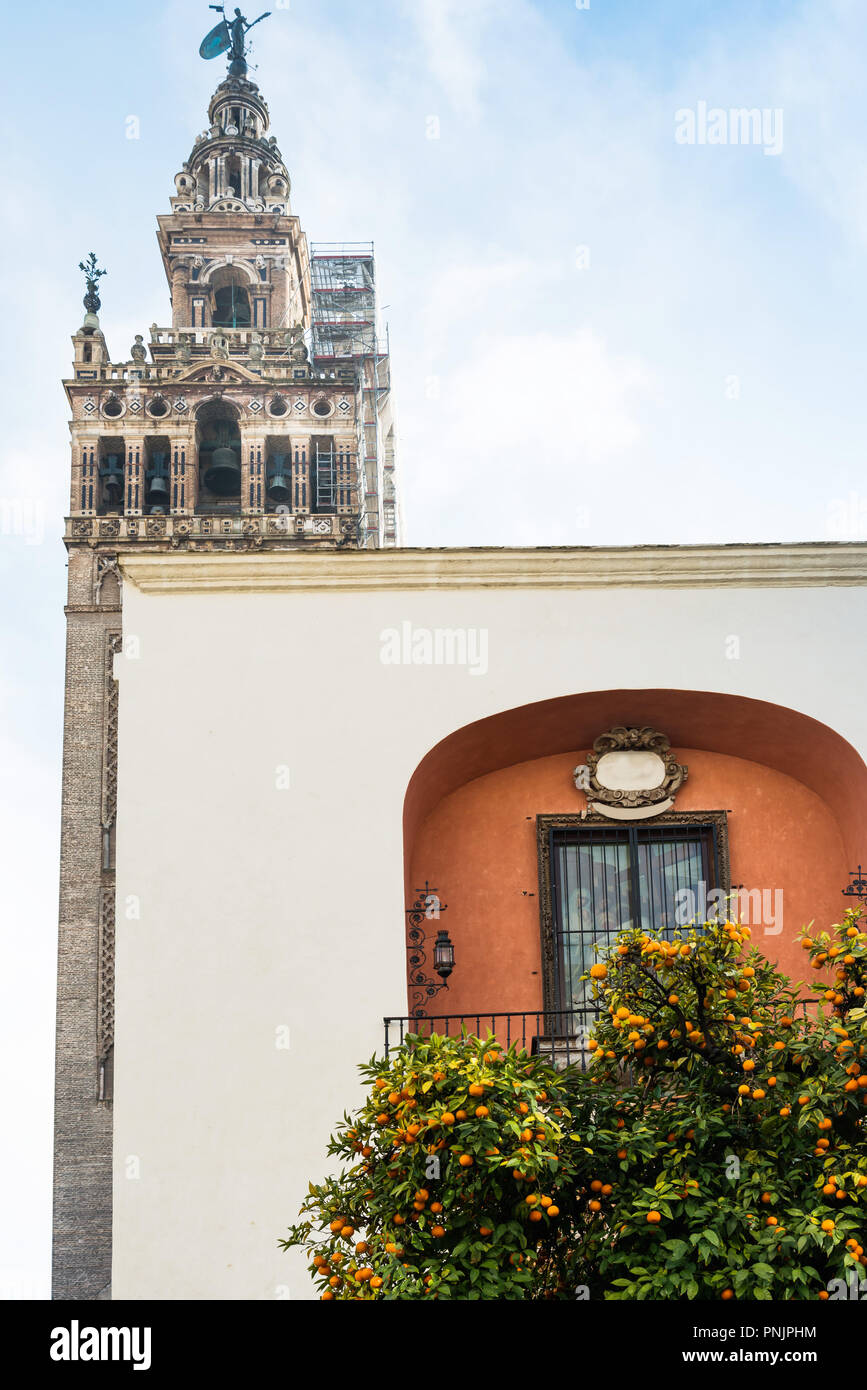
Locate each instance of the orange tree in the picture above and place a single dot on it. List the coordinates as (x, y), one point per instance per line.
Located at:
(715, 1147)
(754, 1105)
(458, 1180)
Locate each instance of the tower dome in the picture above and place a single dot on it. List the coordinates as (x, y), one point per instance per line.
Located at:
(234, 166)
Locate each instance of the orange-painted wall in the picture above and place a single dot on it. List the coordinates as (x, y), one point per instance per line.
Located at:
(478, 848)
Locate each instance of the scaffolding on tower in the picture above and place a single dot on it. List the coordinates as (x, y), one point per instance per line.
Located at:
(345, 330)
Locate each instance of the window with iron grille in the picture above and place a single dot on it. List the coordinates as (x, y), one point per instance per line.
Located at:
(598, 879)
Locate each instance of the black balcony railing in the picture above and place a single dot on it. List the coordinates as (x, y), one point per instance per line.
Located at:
(559, 1036)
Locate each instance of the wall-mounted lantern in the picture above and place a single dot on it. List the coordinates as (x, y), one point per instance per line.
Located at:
(443, 955)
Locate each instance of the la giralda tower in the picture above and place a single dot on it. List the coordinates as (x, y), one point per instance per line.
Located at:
(258, 418)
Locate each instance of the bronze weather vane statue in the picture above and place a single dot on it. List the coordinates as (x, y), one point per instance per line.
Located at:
(229, 36)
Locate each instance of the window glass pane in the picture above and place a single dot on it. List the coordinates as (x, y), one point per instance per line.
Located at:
(594, 905)
(672, 882)
(607, 879)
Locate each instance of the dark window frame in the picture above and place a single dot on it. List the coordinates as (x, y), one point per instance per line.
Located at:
(546, 828)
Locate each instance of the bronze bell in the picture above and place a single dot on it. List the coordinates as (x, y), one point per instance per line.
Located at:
(223, 475)
(158, 491)
(111, 472)
(157, 494)
(279, 489)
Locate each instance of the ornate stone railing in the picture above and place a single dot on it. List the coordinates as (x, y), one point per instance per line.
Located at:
(236, 531)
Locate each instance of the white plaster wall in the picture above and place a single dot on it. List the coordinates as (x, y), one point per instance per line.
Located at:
(261, 908)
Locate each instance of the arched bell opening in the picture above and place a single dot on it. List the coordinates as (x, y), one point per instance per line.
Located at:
(233, 177)
(112, 452)
(278, 473)
(218, 442)
(157, 474)
(230, 307)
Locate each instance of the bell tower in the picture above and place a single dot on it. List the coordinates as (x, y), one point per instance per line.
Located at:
(259, 418)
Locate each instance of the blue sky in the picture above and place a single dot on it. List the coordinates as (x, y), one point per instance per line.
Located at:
(599, 335)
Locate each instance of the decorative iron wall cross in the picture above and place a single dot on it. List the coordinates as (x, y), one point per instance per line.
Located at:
(426, 908)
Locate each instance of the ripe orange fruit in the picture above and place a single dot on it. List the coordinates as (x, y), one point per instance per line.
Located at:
(654, 1217)
(828, 1225)
(447, 1118)
(595, 1206)
(485, 1231)
(476, 1089)
(465, 1161)
(482, 1112)
(553, 1210)
(728, 1293)
(438, 1231)
(598, 972)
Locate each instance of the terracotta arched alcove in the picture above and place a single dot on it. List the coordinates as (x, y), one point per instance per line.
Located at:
(795, 792)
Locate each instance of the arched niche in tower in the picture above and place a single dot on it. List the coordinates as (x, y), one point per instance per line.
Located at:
(112, 453)
(218, 444)
(230, 298)
(157, 453)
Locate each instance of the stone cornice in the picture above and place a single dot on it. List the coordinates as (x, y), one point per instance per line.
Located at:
(807, 565)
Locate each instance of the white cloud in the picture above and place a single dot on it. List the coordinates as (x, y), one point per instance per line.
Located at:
(521, 438)
(453, 35)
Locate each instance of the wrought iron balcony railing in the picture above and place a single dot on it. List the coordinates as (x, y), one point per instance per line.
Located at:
(560, 1036)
